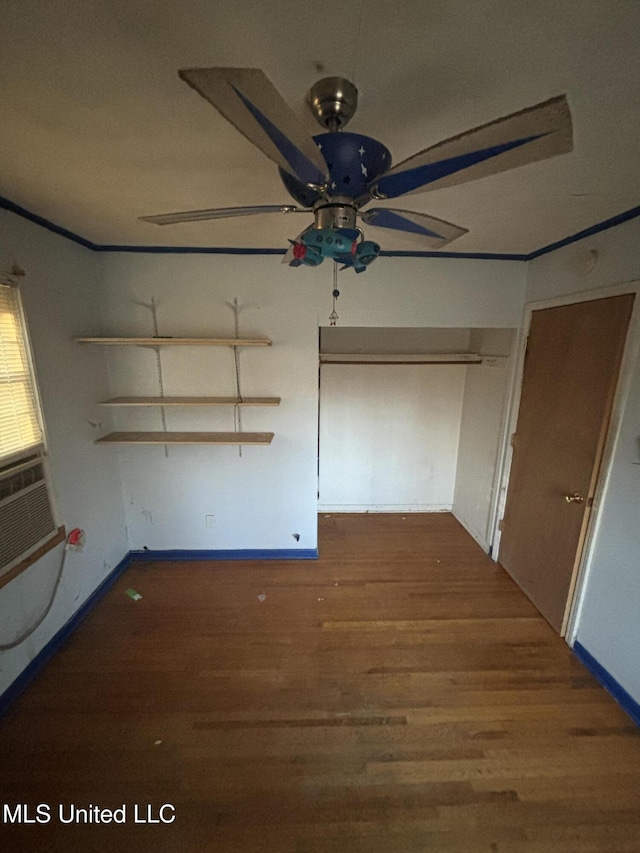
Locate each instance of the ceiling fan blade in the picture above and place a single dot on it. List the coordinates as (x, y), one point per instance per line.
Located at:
(515, 140)
(219, 213)
(436, 233)
(248, 99)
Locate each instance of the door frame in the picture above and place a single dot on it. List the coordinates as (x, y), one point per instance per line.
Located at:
(631, 350)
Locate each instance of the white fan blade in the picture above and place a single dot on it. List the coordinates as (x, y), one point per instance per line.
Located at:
(247, 98)
(515, 140)
(219, 213)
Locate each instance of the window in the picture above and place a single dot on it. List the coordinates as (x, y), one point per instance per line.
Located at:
(26, 513)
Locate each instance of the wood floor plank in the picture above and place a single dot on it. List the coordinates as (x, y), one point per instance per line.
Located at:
(399, 695)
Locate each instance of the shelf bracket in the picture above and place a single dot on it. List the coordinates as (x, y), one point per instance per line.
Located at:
(153, 309)
(237, 416)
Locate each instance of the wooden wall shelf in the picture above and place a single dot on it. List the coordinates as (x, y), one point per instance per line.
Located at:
(165, 437)
(176, 342)
(220, 438)
(192, 401)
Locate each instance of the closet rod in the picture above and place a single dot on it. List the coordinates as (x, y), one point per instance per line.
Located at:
(397, 358)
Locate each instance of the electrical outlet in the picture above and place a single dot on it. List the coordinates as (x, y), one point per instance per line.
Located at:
(209, 521)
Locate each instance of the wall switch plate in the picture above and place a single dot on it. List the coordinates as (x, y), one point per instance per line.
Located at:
(209, 521)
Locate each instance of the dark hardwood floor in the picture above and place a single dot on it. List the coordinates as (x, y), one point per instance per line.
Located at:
(399, 694)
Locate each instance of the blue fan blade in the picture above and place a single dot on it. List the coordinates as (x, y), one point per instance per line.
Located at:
(436, 233)
(298, 164)
(247, 99)
(524, 137)
(389, 219)
(413, 179)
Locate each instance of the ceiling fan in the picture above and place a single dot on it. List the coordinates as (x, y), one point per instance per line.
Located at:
(335, 174)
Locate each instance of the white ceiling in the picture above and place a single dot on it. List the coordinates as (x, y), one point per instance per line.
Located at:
(96, 128)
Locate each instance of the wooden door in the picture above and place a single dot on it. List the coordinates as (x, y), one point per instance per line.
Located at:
(571, 369)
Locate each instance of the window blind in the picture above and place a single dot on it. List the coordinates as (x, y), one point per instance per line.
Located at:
(20, 427)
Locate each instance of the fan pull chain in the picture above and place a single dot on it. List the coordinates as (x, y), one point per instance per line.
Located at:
(333, 317)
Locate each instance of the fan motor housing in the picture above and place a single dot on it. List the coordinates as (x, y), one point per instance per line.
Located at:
(353, 161)
(338, 213)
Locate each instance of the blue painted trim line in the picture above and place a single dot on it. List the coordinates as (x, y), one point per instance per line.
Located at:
(227, 250)
(189, 250)
(45, 654)
(616, 690)
(484, 256)
(244, 554)
(5, 204)
(588, 232)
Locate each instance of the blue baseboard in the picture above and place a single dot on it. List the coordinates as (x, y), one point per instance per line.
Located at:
(44, 656)
(616, 690)
(47, 652)
(243, 554)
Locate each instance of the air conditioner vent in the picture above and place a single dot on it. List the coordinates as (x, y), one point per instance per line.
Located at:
(26, 514)
(18, 482)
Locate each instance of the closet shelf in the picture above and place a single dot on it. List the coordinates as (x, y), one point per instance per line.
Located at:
(397, 358)
(162, 341)
(186, 438)
(192, 401)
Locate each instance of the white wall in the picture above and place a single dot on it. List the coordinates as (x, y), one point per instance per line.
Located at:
(61, 296)
(340, 339)
(262, 499)
(608, 623)
(483, 414)
(432, 292)
(389, 436)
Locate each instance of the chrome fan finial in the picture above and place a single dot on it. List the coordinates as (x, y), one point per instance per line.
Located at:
(333, 102)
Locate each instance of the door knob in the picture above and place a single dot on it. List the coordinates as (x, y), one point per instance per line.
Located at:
(575, 498)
